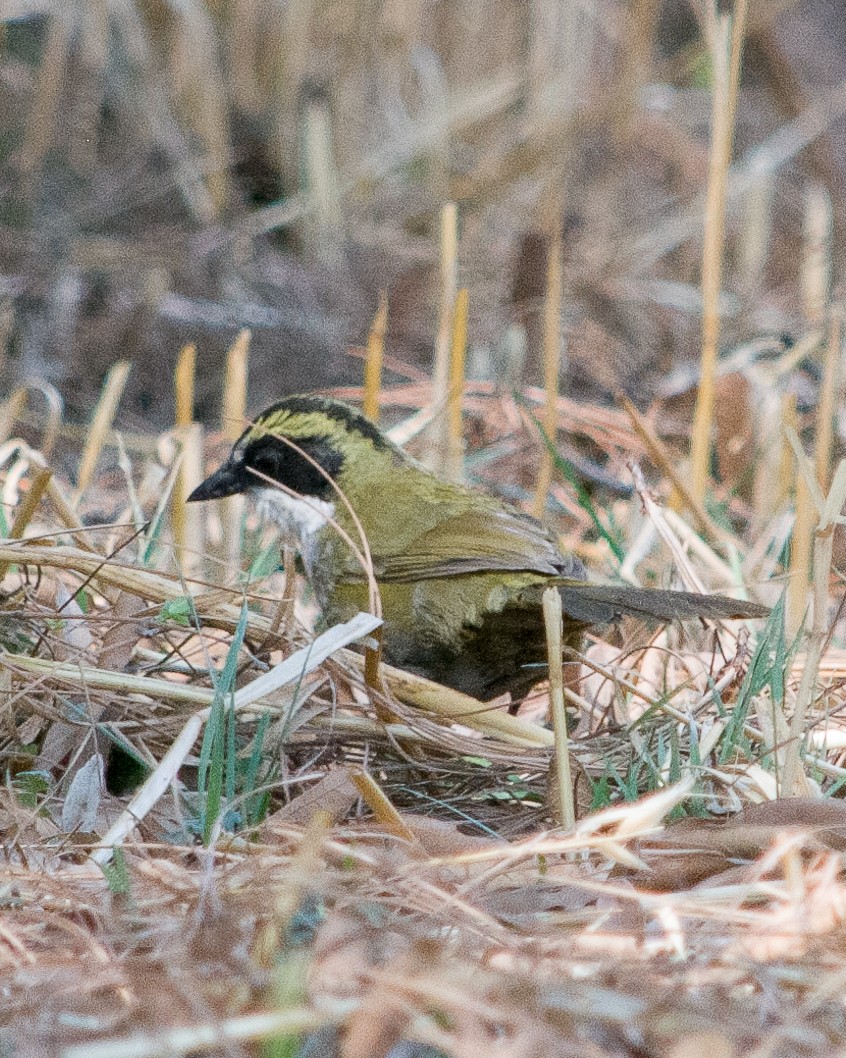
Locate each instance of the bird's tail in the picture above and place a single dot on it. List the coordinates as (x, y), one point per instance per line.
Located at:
(604, 603)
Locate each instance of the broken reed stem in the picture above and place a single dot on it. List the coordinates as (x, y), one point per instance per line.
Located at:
(67, 515)
(828, 394)
(458, 359)
(756, 232)
(563, 809)
(325, 220)
(54, 420)
(13, 409)
(373, 360)
(449, 285)
(436, 456)
(186, 370)
(373, 677)
(11, 412)
(26, 508)
(234, 410)
(379, 803)
(233, 415)
(459, 708)
(41, 119)
(816, 286)
(787, 464)
(101, 423)
(184, 376)
(767, 439)
(551, 361)
(829, 515)
(802, 541)
(801, 544)
(726, 33)
(187, 521)
(815, 275)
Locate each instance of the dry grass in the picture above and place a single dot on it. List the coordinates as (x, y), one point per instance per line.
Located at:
(362, 870)
(217, 836)
(173, 174)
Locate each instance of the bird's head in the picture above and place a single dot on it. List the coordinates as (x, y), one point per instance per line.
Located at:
(300, 443)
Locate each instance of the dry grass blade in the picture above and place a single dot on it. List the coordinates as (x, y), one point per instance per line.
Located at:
(66, 514)
(458, 354)
(668, 465)
(553, 300)
(191, 1039)
(564, 808)
(443, 340)
(13, 410)
(38, 486)
(187, 525)
(233, 417)
(818, 631)
(816, 260)
(829, 389)
(146, 583)
(184, 384)
(101, 423)
(726, 34)
(461, 708)
(380, 805)
(373, 360)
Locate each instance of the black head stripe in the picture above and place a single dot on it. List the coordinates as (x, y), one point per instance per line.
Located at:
(332, 409)
(275, 459)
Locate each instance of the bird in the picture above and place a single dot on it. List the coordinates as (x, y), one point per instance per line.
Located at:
(460, 573)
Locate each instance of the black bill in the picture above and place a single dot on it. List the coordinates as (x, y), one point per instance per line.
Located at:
(228, 480)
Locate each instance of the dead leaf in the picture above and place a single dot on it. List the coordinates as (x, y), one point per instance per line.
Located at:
(438, 838)
(82, 801)
(117, 644)
(334, 794)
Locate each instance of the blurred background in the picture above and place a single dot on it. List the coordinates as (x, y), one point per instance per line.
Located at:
(175, 171)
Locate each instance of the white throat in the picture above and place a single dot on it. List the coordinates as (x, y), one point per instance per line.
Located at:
(303, 518)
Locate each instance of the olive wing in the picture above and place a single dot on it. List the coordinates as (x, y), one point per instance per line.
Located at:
(477, 541)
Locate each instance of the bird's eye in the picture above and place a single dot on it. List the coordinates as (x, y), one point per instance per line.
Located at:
(268, 461)
(305, 472)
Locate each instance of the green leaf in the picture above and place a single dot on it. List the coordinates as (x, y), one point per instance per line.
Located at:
(178, 611)
(116, 873)
(217, 754)
(481, 762)
(267, 561)
(29, 786)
